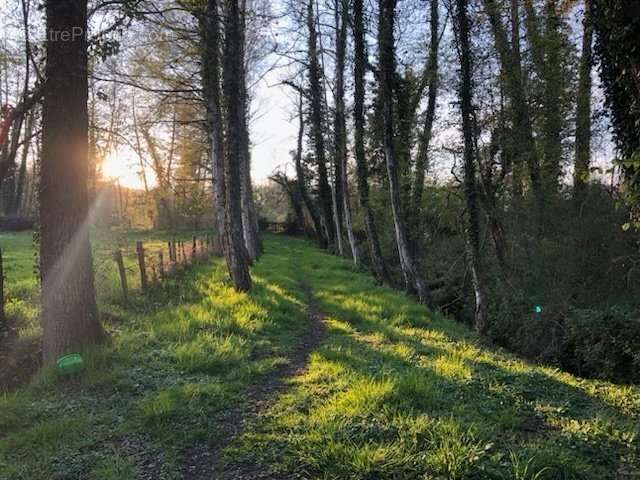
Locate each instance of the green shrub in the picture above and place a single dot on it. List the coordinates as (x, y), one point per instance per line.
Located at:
(596, 342)
(603, 343)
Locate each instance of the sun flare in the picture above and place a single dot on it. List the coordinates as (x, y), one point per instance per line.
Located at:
(123, 166)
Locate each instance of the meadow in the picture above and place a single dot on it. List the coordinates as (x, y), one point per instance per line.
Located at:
(21, 271)
(192, 384)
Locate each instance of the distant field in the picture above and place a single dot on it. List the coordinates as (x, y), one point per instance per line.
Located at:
(20, 268)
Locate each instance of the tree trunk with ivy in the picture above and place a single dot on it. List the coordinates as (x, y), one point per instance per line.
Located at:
(413, 281)
(472, 227)
(362, 170)
(583, 109)
(317, 127)
(524, 143)
(422, 157)
(340, 128)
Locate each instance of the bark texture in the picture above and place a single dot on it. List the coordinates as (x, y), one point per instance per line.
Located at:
(340, 128)
(211, 80)
(237, 256)
(422, 158)
(413, 281)
(317, 130)
(583, 108)
(472, 228)
(69, 313)
(249, 215)
(360, 65)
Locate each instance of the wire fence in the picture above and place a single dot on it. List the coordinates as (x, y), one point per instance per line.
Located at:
(120, 271)
(145, 265)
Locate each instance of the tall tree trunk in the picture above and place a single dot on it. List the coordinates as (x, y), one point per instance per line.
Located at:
(8, 157)
(360, 65)
(472, 229)
(516, 167)
(425, 136)
(69, 312)
(583, 109)
(302, 183)
(317, 130)
(237, 256)
(93, 161)
(136, 132)
(336, 204)
(163, 192)
(413, 281)
(32, 185)
(545, 48)
(12, 181)
(617, 32)
(552, 147)
(514, 86)
(340, 128)
(488, 189)
(249, 220)
(211, 80)
(22, 171)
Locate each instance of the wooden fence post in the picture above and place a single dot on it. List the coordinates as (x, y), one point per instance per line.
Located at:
(117, 256)
(202, 251)
(3, 318)
(184, 252)
(161, 263)
(194, 247)
(143, 269)
(154, 273)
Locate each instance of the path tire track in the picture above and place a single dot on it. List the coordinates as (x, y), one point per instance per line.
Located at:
(204, 462)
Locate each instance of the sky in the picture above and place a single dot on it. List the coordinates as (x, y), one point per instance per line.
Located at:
(273, 131)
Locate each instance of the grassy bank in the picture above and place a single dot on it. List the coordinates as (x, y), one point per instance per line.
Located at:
(392, 392)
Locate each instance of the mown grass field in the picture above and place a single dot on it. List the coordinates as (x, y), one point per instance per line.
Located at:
(393, 391)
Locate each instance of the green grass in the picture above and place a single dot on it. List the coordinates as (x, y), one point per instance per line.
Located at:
(178, 359)
(397, 392)
(393, 391)
(21, 274)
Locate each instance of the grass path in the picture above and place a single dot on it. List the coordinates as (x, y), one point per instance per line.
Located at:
(396, 392)
(237, 386)
(203, 461)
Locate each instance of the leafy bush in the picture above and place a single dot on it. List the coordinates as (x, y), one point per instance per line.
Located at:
(596, 343)
(603, 343)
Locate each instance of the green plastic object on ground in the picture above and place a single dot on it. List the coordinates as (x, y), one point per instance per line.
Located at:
(70, 364)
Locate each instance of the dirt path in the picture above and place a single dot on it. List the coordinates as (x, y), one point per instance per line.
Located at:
(204, 462)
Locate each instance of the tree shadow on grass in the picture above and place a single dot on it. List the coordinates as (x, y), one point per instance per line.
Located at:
(527, 410)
